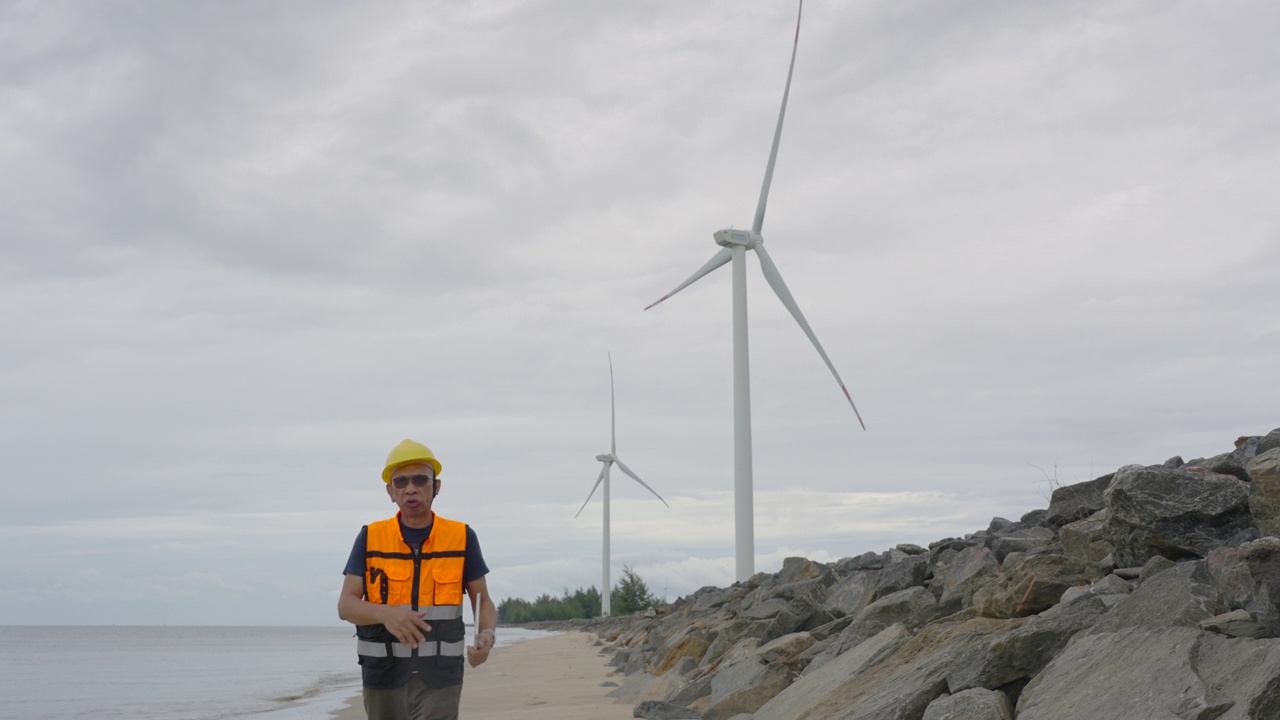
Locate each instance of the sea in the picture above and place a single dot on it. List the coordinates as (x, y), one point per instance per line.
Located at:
(183, 673)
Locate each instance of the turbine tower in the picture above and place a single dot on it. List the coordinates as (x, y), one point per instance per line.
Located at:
(734, 246)
(609, 459)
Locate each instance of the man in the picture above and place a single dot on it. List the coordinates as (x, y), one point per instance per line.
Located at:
(402, 589)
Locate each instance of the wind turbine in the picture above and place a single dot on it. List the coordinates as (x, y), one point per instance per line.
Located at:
(609, 459)
(734, 246)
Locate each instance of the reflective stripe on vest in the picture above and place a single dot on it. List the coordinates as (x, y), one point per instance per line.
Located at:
(369, 648)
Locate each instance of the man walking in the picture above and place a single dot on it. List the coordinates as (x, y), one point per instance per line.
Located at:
(402, 589)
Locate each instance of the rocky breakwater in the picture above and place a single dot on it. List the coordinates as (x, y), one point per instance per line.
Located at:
(1147, 594)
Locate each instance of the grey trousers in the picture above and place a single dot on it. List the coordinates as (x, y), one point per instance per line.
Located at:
(414, 701)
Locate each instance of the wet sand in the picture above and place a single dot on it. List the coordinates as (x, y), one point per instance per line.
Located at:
(554, 678)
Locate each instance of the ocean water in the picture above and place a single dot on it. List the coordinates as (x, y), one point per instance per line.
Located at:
(182, 673)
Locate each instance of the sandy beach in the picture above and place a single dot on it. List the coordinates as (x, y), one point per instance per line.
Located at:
(554, 678)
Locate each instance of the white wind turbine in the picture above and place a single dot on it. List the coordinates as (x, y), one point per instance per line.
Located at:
(734, 246)
(609, 459)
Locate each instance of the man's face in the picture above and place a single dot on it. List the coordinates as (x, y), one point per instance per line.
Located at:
(414, 498)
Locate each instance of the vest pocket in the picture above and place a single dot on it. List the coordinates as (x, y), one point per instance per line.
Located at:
(448, 585)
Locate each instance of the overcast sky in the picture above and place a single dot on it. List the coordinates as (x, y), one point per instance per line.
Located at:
(247, 247)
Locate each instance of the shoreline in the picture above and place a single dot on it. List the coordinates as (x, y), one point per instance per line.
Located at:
(550, 678)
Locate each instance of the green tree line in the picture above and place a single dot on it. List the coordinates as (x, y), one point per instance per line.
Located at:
(629, 596)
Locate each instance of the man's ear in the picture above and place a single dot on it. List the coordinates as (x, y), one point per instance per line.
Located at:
(437, 492)
(390, 494)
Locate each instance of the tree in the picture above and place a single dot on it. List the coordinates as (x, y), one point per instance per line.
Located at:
(632, 594)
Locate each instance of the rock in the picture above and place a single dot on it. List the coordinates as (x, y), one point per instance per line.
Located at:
(912, 608)
(1237, 623)
(1232, 463)
(812, 688)
(744, 686)
(1264, 493)
(1175, 513)
(975, 704)
(973, 567)
(1180, 596)
(786, 649)
(1249, 576)
(1270, 441)
(1025, 647)
(910, 549)
(1077, 502)
(1083, 539)
(1024, 540)
(1174, 673)
(796, 569)
(689, 646)
(659, 710)
(1034, 585)
(852, 594)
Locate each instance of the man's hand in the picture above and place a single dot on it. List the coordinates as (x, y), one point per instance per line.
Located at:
(484, 643)
(408, 626)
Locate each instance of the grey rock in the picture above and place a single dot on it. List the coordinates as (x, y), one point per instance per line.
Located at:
(1077, 502)
(974, 704)
(744, 686)
(970, 569)
(1237, 623)
(764, 609)
(1173, 673)
(854, 593)
(1025, 647)
(796, 569)
(659, 710)
(1264, 493)
(814, 687)
(1036, 518)
(1023, 540)
(1174, 462)
(1175, 513)
(1249, 576)
(910, 549)
(1232, 463)
(1084, 540)
(1001, 525)
(1180, 596)
(1270, 441)
(1154, 566)
(1034, 585)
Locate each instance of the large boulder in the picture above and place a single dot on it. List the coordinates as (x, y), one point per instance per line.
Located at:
(1077, 502)
(1182, 595)
(1264, 493)
(1033, 585)
(799, 698)
(1249, 576)
(1084, 539)
(959, 579)
(744, 686)
(975, 704)
(1175, 513)
(1157, 673)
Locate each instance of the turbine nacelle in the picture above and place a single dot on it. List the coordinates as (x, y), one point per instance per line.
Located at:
(731, 238)
(607, 457)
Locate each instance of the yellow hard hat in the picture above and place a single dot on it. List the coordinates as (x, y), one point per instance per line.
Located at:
(407, 452)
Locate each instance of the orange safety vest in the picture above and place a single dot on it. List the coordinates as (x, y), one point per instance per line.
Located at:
(428, 578)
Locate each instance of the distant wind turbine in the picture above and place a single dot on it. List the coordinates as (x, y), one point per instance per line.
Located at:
(734, 246)
(609, 459)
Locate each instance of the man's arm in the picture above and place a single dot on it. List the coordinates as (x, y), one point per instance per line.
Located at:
(406, 625)
(486, 621)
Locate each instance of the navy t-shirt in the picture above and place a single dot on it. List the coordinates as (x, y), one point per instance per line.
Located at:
(473, 566)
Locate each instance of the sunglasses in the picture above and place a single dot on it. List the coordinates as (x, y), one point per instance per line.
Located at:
(403, 481)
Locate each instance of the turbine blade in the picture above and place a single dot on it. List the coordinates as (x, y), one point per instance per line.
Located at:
(636, 477)
(720, 258)
(774, 277)
(593, 490)
(613, 416)
(758, 223)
